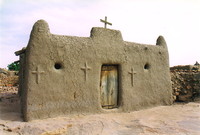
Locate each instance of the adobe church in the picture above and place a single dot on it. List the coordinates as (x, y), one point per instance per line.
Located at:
(63, 75)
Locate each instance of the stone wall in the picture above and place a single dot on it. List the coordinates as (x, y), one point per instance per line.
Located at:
(185, 84)
(8, 78)
(8, 83)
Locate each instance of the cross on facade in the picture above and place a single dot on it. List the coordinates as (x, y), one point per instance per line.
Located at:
(105, 22)
(85, 69)
(37, 72)
(132, 73)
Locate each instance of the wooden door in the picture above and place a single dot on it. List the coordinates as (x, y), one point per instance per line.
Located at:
(109, 86)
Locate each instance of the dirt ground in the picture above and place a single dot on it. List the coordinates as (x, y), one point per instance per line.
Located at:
(178, 119)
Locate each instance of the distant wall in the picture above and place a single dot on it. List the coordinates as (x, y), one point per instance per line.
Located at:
(8, 78)
(185, 83)
(185, 68)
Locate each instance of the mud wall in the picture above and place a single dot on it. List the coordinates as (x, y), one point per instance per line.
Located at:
(62, 73)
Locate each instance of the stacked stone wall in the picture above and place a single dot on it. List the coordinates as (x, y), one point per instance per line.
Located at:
(185, 84)
(8, 81)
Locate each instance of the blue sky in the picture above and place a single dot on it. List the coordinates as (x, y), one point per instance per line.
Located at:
(139, 21)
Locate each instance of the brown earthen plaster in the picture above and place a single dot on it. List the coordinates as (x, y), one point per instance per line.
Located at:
(61, 74)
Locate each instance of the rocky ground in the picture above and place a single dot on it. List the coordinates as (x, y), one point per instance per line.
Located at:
(178, 119)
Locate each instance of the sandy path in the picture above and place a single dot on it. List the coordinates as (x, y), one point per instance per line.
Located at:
(178, 119)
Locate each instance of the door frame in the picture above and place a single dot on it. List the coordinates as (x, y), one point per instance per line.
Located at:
(118, 67)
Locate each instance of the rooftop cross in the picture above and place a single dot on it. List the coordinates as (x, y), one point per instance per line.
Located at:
(105, 22)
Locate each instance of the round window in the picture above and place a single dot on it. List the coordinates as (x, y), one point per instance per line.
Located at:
(146, 66)
(57, 66)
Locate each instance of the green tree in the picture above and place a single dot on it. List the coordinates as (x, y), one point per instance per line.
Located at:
(14, 66)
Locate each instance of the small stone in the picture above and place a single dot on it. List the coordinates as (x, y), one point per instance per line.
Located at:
(185, 91)
(178, 90)
(176, 93)
(189, 87)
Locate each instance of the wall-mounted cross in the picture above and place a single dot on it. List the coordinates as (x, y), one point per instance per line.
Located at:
(132, 73)
(105, 22)
(37, 72)
(85, 69)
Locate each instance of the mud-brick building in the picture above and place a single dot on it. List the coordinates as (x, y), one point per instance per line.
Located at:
(62, 75)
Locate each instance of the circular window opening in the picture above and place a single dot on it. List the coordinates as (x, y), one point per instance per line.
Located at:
(57, 66)
(146, 66)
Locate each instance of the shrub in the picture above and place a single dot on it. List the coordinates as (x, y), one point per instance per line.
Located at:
(14, 66)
